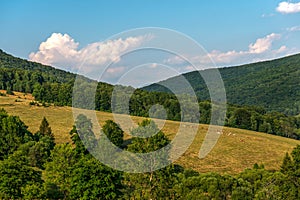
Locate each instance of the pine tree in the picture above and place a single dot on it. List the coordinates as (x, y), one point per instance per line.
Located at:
(80, 149)
(45, 129)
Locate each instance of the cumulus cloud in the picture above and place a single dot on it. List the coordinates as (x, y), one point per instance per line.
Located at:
(57, 48)
(260, 50)
(288, 7)
(263, 44)
(61, 50)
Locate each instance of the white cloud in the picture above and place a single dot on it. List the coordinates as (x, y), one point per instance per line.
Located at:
(260, 50)
(287, 7)
(62, 51)
(293, 29)
(263, 44)
(57, 48)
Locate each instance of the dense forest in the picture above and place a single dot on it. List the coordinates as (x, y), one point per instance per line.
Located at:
(273, 85)
(50, 85)
(32, 166)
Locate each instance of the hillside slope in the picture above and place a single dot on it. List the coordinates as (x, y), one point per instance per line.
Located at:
(274, 85)
(8, 61)
(46, 83)
(236, 149)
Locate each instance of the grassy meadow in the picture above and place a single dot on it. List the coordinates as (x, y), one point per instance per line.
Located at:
(236, 149)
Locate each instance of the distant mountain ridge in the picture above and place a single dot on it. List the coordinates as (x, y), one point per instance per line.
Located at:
(274, 85)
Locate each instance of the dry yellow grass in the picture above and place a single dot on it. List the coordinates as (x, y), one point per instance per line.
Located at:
(236, 149)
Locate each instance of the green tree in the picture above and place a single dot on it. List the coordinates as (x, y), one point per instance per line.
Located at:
(290, 182)
(79, 146)
(241, 119)
(39, 154)
(15, 175)
(276, 186)
(58, 172)
(113, 132)
(13, 133)
(93, 180)
(208, 186)
(45, 129)
(155, 184)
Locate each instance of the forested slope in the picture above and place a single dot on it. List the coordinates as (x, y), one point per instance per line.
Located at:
(274, 85)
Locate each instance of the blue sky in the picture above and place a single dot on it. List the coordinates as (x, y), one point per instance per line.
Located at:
(225, 28)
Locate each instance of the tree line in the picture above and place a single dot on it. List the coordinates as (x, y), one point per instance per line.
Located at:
(60, 94)
(32, 166)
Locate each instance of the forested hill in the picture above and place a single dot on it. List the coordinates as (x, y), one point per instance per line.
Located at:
(46, 83)
(274, 85)
(52, 74)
